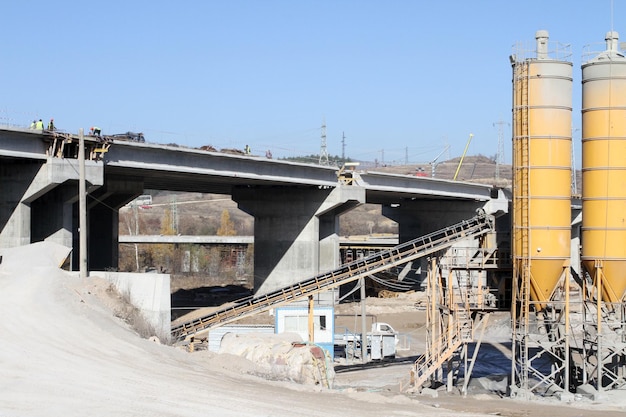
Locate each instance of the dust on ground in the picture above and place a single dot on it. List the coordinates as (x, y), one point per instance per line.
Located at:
(64, 351)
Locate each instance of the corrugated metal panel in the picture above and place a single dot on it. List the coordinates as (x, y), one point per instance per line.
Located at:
(215, 336)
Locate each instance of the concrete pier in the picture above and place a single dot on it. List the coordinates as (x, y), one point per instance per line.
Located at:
(295, 230)
(38, 197)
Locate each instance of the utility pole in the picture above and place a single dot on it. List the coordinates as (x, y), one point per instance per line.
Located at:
(363, 322)
(500, 154)
(136, 215)
(323, 150)
(82, 207)
(343, 146)
(406, 155)
(174, 210)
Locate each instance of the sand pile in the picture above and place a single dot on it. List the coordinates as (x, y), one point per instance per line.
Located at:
(63, 353)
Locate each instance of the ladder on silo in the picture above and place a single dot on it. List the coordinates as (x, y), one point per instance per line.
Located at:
(378, 262)
(521, 238)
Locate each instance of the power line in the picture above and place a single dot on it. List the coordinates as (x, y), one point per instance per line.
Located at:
(500, 154)
(323, 149)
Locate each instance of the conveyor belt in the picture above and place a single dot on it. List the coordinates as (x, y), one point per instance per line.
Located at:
(380, 261)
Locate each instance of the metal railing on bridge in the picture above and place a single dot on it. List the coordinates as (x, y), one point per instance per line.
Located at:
(380, 261)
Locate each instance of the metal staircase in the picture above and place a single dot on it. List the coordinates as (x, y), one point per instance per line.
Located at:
(460, 330)
(380, 261)
(464, 324)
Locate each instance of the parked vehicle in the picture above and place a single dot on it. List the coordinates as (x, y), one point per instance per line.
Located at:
(143, 200)
(382, 341)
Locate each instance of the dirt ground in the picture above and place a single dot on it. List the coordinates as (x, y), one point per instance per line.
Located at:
(65, 352)
(487, 388)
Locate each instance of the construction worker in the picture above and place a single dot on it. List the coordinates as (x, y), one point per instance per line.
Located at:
(51, 125)
(33, 124)
(247, 150)
(95, 131)
(39, 125)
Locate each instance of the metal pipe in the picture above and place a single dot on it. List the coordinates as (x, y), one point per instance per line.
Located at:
(311, 319)
(363, 323)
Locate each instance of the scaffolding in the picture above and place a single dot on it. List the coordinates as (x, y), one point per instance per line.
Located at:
(460, 301)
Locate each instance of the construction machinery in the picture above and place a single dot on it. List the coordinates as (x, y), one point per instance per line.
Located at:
(458, 168)
(433, 164)
(381, 340)
(131, 136)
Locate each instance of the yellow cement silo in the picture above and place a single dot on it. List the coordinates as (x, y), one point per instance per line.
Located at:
(542, 129)
(604, 169)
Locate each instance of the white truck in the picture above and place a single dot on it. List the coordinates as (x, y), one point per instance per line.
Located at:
(382, 341)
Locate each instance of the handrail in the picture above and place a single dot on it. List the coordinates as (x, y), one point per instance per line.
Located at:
(346, 273)
(436, 355)
(445, 346)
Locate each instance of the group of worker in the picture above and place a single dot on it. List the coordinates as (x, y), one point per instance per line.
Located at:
(97, 132)
(38, 125)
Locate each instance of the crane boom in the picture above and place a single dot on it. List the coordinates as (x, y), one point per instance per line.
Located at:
(463, 156)
(433, 164)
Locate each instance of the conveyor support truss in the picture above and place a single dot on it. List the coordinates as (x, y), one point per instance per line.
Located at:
(380, 261)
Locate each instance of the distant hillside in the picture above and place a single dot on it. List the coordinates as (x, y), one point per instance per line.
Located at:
(480, 169)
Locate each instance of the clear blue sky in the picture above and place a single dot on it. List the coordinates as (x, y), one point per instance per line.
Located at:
(401, 79)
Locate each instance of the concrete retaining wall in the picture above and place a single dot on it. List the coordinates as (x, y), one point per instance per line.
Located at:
(150, 293)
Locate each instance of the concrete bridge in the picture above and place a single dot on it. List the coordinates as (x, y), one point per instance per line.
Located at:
(295, 206)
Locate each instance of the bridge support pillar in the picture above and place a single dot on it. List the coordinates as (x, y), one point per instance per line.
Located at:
(38, 197)
(15, 179)
(295, 230)
(103, 221)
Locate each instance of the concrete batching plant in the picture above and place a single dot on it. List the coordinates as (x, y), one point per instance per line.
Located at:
(563, 341)
(566, 283)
